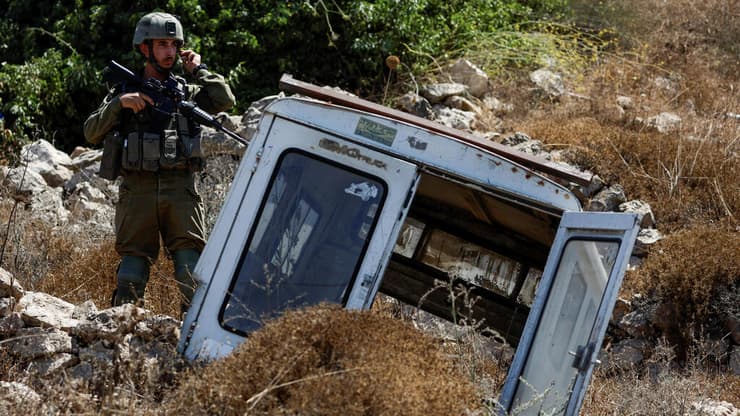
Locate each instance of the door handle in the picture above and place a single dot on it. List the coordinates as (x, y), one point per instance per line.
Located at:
(582, 357)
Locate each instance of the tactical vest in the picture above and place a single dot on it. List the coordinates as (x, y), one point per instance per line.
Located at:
(156, 138)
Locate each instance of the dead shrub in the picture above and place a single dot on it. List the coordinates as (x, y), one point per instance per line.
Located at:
(80, 273)
(329, 361)
(679, 63)
(660, 388)
(691, 271)
(77, 267)
(685, 31)
(685, 181)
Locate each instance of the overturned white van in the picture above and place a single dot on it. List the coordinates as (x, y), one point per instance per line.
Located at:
(338, 198)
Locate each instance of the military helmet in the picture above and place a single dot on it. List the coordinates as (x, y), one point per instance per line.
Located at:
(158, 25)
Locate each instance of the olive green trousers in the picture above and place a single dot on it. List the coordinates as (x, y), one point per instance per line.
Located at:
(153, 207)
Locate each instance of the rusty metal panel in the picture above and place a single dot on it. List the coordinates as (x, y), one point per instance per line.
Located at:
(290, 84)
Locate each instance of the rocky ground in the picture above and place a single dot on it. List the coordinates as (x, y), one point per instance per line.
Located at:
(51, 340)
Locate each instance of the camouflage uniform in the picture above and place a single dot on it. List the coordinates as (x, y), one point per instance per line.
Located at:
(160, 200)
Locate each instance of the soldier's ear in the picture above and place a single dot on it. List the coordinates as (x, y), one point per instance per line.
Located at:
(144, 49)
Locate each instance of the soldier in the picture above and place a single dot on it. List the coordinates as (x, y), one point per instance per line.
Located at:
(157, 196)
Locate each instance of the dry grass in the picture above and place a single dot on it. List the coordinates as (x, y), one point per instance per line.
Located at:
(689, 176)
(660, 388)
(329, 361)
(685, 181)
(76, 266)
(681, 65)
(696, 275)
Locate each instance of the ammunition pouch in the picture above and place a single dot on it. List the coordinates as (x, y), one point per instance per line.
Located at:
(110, 163)
(172, 149)
(163, 139)
(132, 152)
(150, 152)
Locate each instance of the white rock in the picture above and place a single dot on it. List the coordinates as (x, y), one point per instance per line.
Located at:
(85, 310)
(664, 122)
(647, 219)
(15, 397)
(608, 199)
(110, 324)
(436, 93)
(9, 286)
(55, 363)
(42, 150)
(24, 181)
(625, 103)
(496, 106)
(161, 327)
(645, 238)
(548, 81)
(52, 164)
(454, 118)
(464, 72)
(90, 193)
(48, 206)
(709, 407)
(32, 343)
(87, 158)
(41, 309)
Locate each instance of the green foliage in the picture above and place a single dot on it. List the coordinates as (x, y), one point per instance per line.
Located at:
(537, 44)
(337, 42)
(40, 96)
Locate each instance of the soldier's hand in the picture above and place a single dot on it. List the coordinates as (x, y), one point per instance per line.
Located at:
(190, 60)
(135, 101)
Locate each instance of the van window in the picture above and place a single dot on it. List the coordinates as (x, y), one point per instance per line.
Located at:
(458, 258)
(312, 230)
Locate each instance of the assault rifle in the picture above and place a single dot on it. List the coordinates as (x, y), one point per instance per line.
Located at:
(170, 88)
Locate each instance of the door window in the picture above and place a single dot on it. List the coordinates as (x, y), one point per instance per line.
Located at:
(312, 230)
(566, 324)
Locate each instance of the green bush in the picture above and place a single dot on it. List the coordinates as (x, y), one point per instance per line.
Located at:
(65, 44)
(41, 97)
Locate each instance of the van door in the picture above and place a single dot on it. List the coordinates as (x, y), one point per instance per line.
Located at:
(316, 223)
(568, 320)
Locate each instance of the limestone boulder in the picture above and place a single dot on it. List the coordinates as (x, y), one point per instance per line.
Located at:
(548, 81)
(437, 93)
(17, 397)
(32, 343)
(110, 324)
(52, 164)
(43, 310)
(9, 286)
(465, 72)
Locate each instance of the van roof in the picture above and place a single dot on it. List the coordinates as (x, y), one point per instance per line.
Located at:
(557, 171)
(441, 151)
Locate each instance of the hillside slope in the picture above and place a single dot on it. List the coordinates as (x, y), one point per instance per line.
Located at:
(657, 113)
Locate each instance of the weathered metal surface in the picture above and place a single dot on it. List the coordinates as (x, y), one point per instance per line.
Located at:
(433, 152)
(290, 84)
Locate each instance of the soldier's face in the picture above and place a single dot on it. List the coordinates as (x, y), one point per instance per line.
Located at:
(165, 52)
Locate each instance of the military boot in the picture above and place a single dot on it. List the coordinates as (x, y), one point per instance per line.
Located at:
(133, 274)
